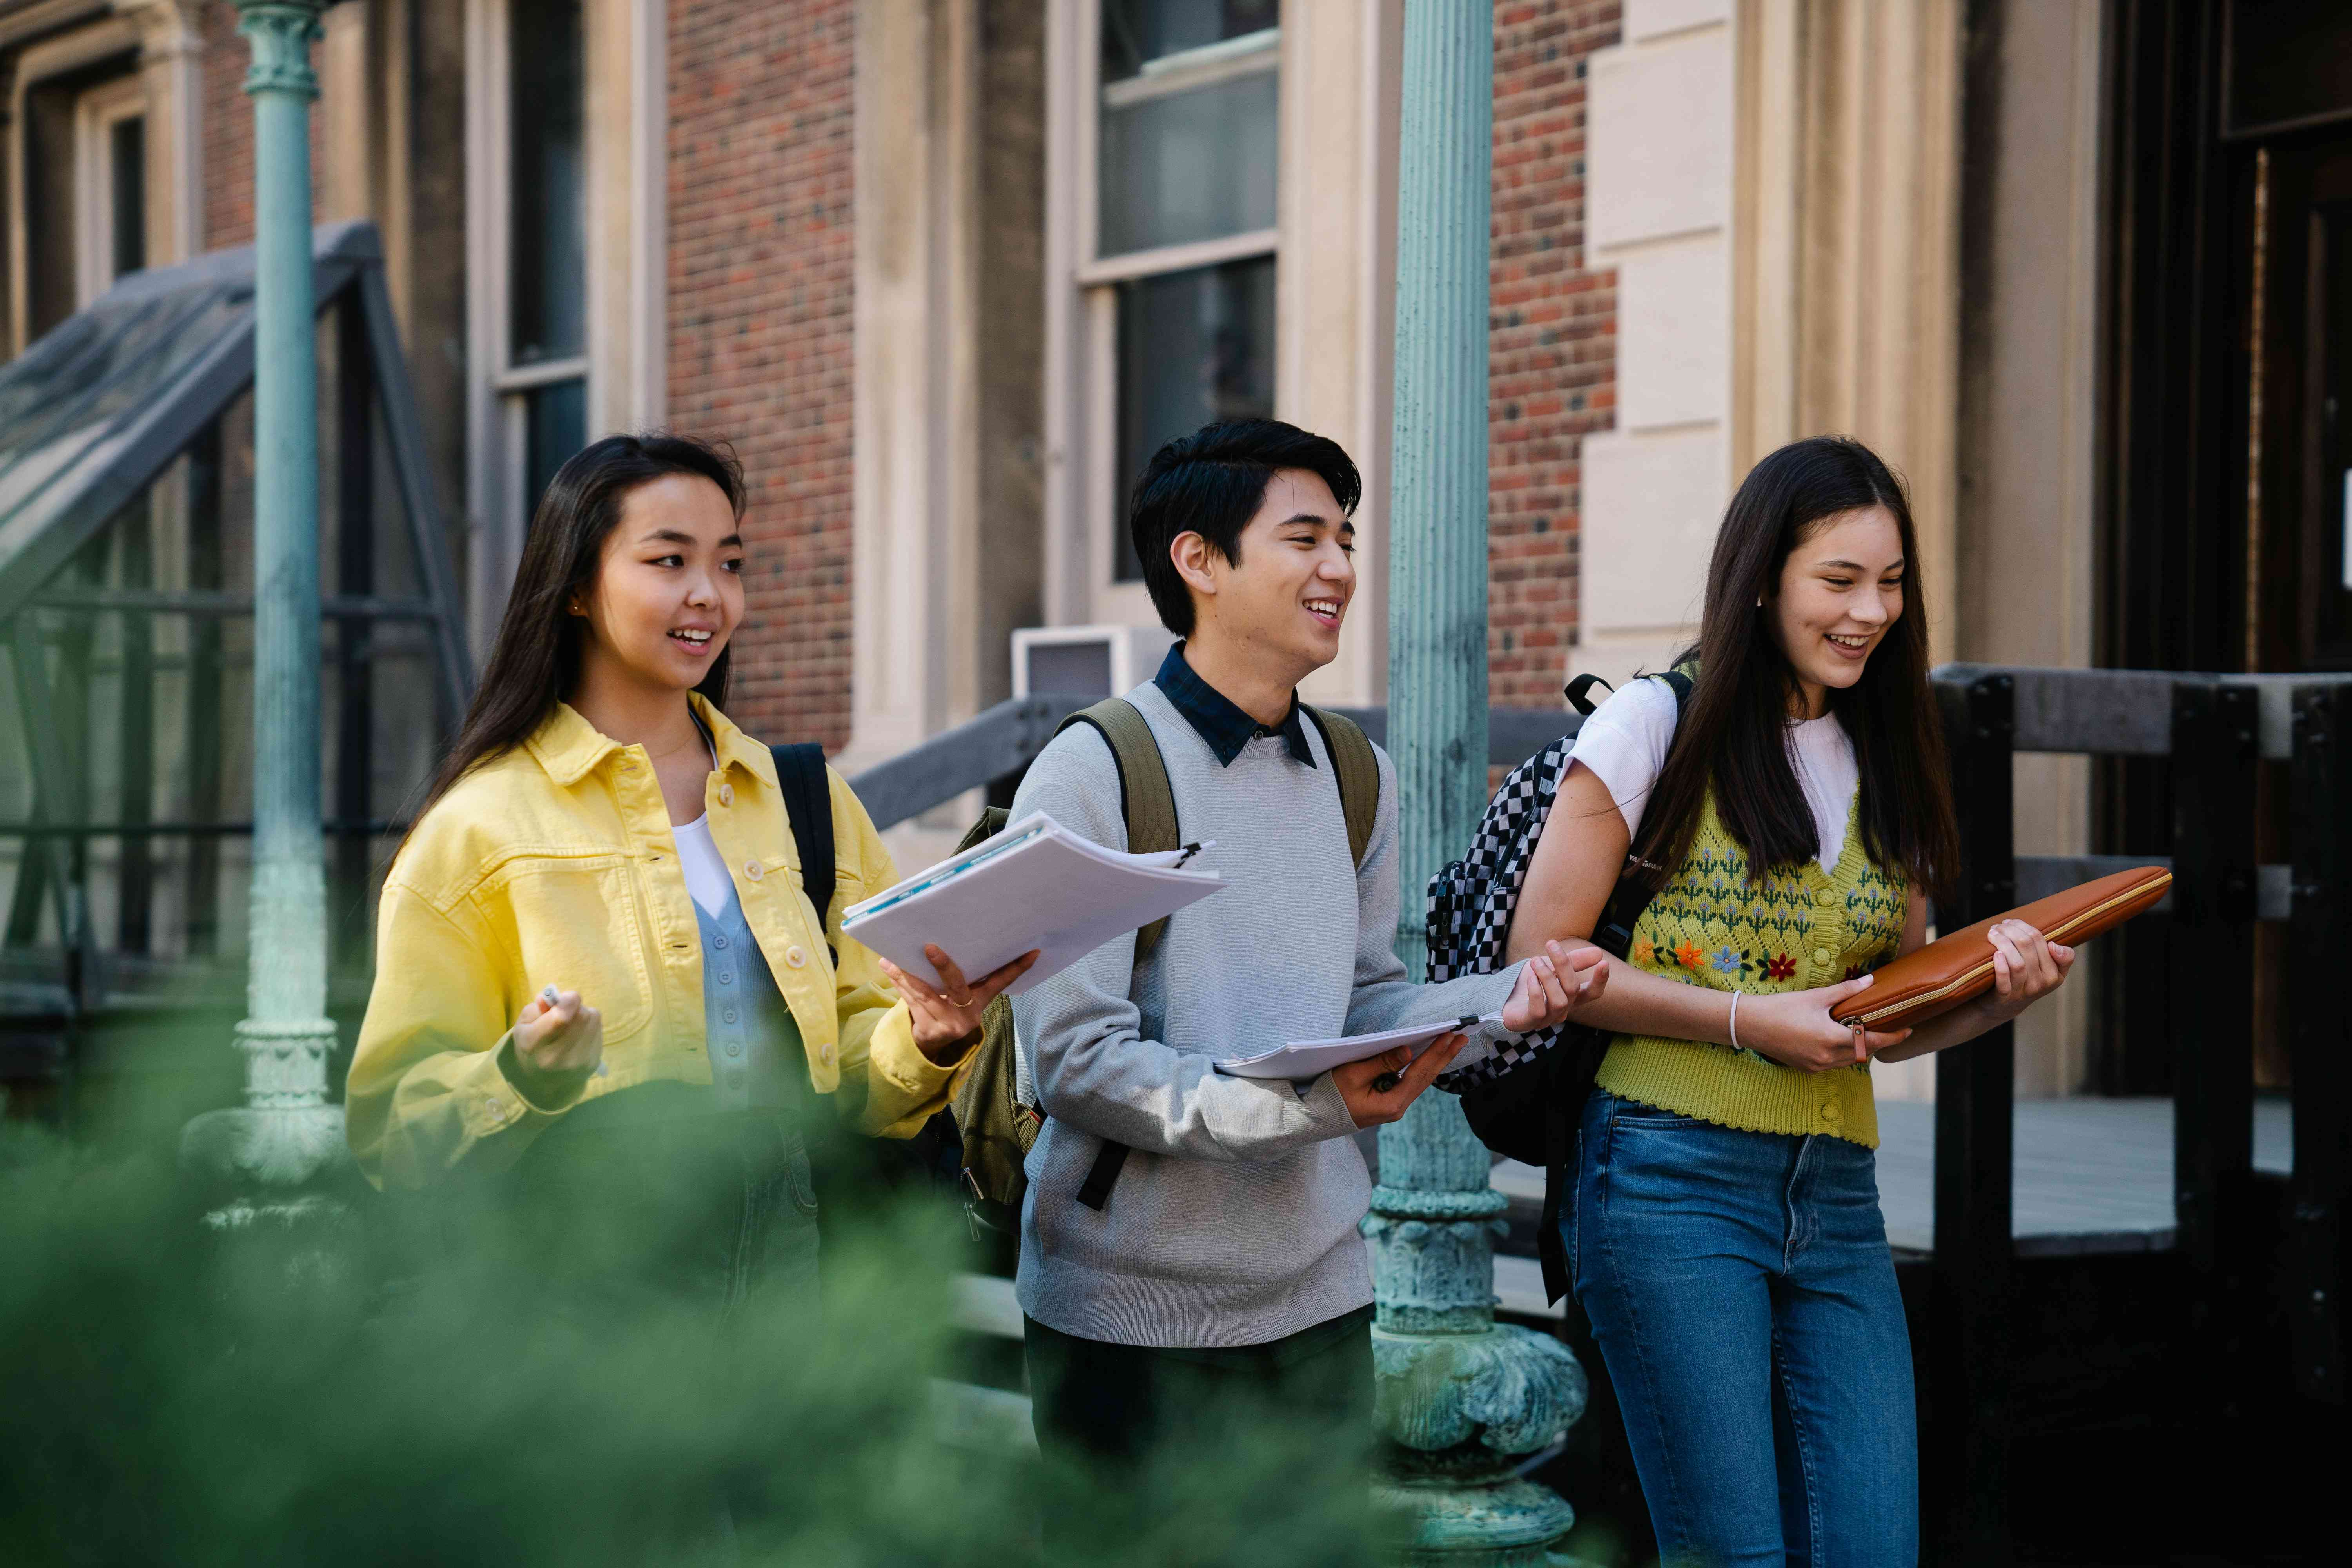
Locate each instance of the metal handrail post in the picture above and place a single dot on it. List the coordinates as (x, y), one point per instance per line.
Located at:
(1967, 1397)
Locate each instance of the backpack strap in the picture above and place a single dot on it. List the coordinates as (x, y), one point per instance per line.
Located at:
(1359, 775)
(1146, 800)
(1628, 901)
(1147, 803)
(808, 805)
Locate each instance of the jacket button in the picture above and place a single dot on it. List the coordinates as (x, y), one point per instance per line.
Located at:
(1831, 1113)
(794, 957)
(825, 1054)
(734, 1050)
(497, 1108)
(1820, 955)
(725, 795)
(752, 869)
(730, 1015)
(1825, 900)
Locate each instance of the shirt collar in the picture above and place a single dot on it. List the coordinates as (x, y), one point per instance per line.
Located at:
(569, 747)
(1214, 715)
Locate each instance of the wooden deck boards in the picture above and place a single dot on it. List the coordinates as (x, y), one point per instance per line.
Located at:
(2092, 1175)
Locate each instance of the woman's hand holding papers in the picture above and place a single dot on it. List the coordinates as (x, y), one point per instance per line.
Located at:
(1377, 1088)
(947, 1015)
(1553, 984)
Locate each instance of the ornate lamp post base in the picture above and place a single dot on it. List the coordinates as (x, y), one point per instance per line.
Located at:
(1462, 1398)
(1511, 1524)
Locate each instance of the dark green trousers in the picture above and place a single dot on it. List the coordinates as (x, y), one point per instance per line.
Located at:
(1229, 1454)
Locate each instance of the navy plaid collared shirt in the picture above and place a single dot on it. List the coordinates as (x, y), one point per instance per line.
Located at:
(1225, 727)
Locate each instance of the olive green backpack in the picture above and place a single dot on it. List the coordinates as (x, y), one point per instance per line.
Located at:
(998, 1131)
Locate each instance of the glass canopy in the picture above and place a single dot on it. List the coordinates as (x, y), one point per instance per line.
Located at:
(126, 571)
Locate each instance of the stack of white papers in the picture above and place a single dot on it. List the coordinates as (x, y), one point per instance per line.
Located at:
(1312, 1059)
(1034, 885)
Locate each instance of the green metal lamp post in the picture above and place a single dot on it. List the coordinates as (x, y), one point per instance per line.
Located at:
(1462, 1398)
(287, 1134)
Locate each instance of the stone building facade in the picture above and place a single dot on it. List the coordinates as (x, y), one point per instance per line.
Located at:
(944, 269)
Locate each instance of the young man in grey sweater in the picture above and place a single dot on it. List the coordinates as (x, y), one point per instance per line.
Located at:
(1225, 1270)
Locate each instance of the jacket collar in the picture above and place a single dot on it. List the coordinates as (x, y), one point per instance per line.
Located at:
(570, 748)
(1215, 717)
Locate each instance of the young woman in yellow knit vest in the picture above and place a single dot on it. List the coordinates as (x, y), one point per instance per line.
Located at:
(1726, 1236)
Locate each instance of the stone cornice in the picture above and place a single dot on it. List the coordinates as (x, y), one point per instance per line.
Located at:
(24, 20)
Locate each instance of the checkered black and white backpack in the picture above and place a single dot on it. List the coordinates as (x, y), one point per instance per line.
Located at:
(1524, 1101)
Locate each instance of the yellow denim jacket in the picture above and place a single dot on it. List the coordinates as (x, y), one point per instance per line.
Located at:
(555, 864)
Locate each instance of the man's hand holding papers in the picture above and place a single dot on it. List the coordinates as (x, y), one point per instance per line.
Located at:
(1380, 1074)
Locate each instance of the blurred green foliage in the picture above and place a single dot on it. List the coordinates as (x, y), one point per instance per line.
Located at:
(178, 1393)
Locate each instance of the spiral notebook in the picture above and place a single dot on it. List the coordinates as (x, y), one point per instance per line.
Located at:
(1034, 885)
(1311, 1059)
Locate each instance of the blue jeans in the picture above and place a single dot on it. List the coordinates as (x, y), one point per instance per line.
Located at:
(1741, 1292)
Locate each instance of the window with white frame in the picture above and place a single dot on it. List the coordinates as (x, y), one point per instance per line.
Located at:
(111, 179)
(527, 270)
(543, 379)
(1177, 263)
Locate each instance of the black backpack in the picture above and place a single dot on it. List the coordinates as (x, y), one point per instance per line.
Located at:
(1524, 1101)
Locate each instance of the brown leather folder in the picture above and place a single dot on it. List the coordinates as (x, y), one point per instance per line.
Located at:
(1958, 969)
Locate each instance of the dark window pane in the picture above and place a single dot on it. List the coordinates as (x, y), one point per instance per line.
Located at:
(1194, 347)
(1190, 166)
(1136, 31)
(555, 425)
(127, 151)
(548, 320)
(2327, 644)
(2288, 60)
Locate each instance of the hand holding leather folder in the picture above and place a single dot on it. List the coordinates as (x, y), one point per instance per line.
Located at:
(1958, 969)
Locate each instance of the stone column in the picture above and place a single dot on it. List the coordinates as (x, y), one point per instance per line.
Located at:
(286, 1135)
(1462, 1398)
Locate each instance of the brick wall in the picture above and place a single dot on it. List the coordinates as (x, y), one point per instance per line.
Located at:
(228, 131)
(1552, 347)
(761, 257)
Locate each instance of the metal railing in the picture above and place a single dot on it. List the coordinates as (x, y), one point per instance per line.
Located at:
(997, 745)
(2213, 732)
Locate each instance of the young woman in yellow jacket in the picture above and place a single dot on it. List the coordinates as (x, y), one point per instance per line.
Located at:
(598, 975)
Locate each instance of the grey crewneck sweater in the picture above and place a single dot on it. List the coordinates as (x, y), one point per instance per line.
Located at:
(1234, 1219)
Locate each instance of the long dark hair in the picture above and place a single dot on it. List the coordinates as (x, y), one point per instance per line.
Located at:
(1733, 733)
(535, 662)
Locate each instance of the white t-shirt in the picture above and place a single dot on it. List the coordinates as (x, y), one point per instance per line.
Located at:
(705, 870)
(1624, 743)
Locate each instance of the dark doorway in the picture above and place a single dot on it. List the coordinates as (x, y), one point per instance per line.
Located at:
(2300, 603)
(2227, 431)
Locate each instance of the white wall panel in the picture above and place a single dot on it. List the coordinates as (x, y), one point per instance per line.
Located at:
(1660, 133)
(1673, 333)
(1651, 507)
(1648, 18)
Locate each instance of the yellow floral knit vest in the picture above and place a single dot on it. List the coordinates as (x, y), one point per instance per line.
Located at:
(1792, 929)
